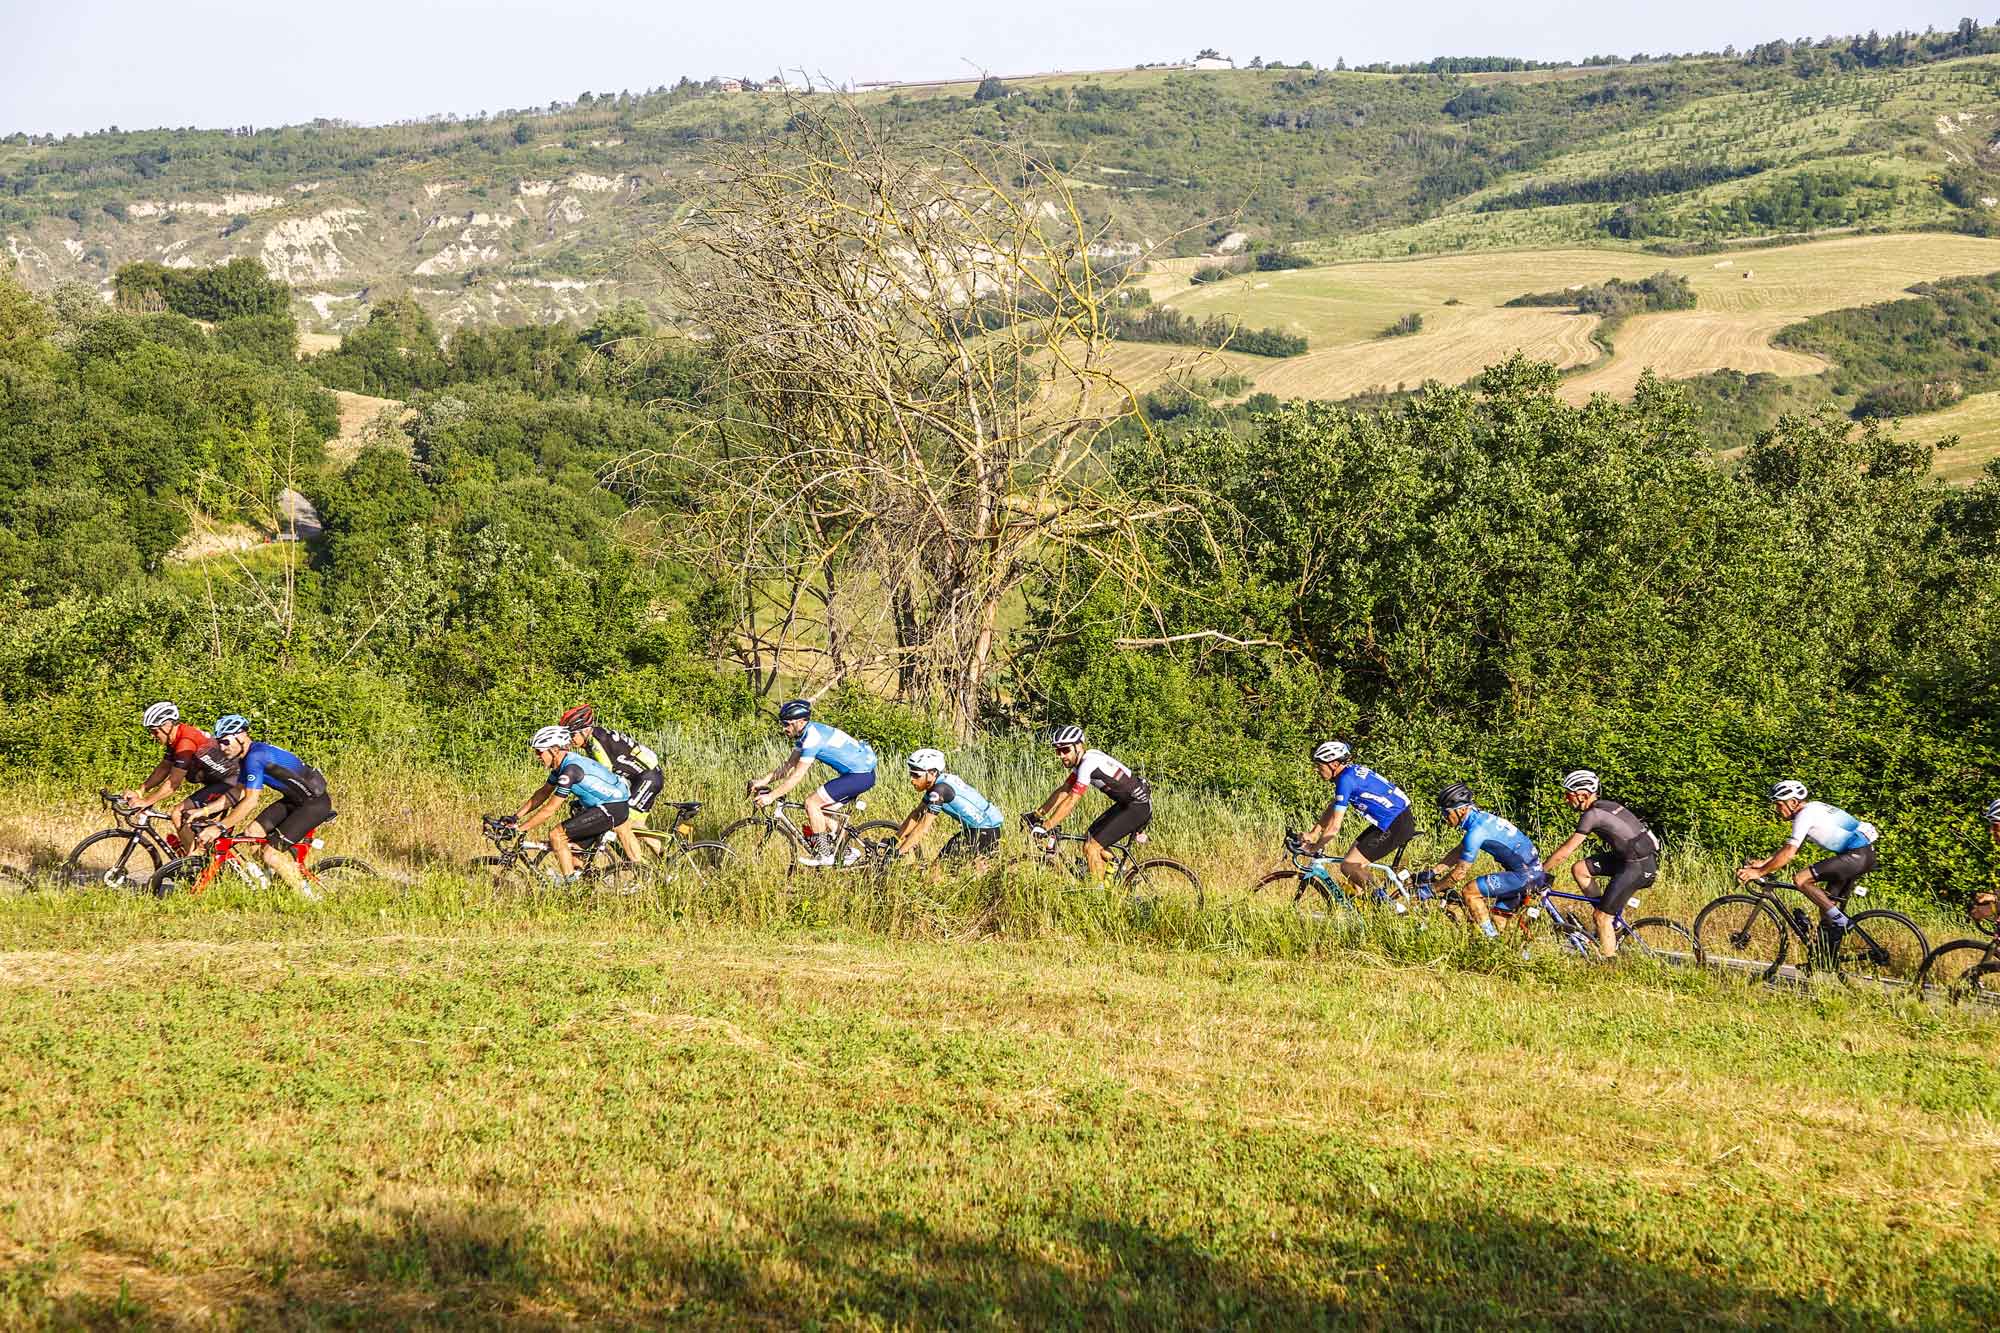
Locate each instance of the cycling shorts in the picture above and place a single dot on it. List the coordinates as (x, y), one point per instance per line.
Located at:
(214, 791)
(1120, 822)
(291, 820)
(1626, 878)
(1837, 874)
(1511, 884)
(594, 821)
(1379, 844)
(645, 789)
(846, 786)
(971, 842)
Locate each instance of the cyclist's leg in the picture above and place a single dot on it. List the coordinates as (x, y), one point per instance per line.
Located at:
(645, 789)
(1829, 882)
(285, 824)
(183, 814)
(1114, 825)
(1626, 879)
(842, 790)
(587, 823)
(1377, 844)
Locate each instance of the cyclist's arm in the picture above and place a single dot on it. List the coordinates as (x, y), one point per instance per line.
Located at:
(1564, 852)
(159, 784)
(239, 811)
(1056, 809)
(1777, 860)
(535, 811)
(914, 828)
(1328, 828)
(786, 775)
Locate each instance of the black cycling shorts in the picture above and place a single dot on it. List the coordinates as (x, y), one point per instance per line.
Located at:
(594, 821)
(1626, 878)
(290, 821)
(214, 791)
(1837, 874)
(971, 842)
(1379, 844)
(1120, 822)
(645, 789)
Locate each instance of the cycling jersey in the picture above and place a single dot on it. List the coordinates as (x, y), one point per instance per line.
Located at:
(1499, 839)
(183, 744)
(954, 796)
(1098, 769)
(620, 753)
(210, 767)
(292, 778)
(1831, 828)
(1621, 830)
(584, 780)
(1369, 792)
(836, 749)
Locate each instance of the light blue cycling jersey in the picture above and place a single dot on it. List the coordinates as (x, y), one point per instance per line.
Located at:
(1499, 839)
(587, 782)
(1830, 827)
(836, 749)
(1369, 792)
(954, 796)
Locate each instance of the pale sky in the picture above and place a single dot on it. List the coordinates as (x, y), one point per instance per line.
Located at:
(73, 65)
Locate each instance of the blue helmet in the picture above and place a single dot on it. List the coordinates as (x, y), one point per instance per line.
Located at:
(231, 724)
(795, 710)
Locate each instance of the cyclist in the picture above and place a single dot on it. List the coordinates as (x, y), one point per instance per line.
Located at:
(1829, 881)
(853, 765)
(214, 774)
(1985, 903)
(182, 743)
(600, 794)
(1381, 802)
(1521, 866)
(947, 793)
(1131, 800)
(1629, 862)
(630, 760)
(302, 805)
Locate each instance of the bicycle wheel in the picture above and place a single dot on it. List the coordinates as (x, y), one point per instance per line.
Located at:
(1964, 970)
(620, 879)
(1660, 939)
(874, 840)
(1740, 934)
(695, 862)
(343, 872)
(761, 845)
(114, 858)
(1881, 947)
(179, 875)
(1161, 882)
(1309, 894)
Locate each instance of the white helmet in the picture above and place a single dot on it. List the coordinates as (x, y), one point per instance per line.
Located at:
(1581, 779)
(1071, 735)
(1993, 811)
(160, 714)
(550, 738)
(1788, 789)
(1330, 752)
(927, 760)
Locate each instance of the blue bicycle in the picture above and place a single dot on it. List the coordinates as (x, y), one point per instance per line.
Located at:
(1314, 884)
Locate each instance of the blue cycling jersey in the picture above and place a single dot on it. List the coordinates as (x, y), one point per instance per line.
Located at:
(836, 749)
(954, 796)
(1369, 792)
(1499, 839)
(265, 765)
(587, 782)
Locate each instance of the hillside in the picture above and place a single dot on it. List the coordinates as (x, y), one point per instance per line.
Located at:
(532, 216)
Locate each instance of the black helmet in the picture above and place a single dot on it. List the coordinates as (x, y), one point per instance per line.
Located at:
(1455, 797)
(795, 710)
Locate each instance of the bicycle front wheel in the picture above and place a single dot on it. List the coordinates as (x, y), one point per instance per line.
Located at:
(114, 858)
(760, 845)
(343, 872)
(1659, 938)
(1964, 970)
(1881, 947)
(182, 875)
(1740, 934)
(1308, 894)
(873, 841)
(1163, 882)
(697, 862)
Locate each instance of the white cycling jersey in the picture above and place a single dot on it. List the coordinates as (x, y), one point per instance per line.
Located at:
(1829, 827)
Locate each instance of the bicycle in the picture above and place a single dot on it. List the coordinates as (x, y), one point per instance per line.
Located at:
(1659, 938)
(762, 838)
(1753, 932)
(126, 856)
(1155, 880)
(1967, 969)
(531, 867)
(196, 872)
(1318, 887)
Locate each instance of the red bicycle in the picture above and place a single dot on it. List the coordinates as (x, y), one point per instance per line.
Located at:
(231, 853)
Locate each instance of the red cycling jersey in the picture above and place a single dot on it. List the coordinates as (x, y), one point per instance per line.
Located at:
(184, 744)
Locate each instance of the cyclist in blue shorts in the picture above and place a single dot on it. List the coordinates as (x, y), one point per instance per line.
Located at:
(980, 821)
(853, 765)
(603, 800)
(1391, 823)
(1521, 865)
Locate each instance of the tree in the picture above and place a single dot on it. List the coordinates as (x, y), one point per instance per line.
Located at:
(991, 89)
(522, 133)
(910, 344)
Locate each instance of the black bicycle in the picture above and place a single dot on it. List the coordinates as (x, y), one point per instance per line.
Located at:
(1967, 969)
(1754, 934)
(526, 866)
(772, 840)
(1155, 879)
(125, 856)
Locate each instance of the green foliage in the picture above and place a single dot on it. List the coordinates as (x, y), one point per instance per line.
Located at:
(1404, 327)
(237, 289)
(1164, 324)
(1620, 186)
(1913, 355)
(271, 339)
(1271, 261)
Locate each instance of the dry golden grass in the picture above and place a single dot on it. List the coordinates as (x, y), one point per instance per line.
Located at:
(1976, 422)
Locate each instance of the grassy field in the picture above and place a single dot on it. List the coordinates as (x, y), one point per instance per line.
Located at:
(1976, 422)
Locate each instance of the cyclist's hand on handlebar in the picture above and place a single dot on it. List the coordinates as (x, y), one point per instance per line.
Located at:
(1745, 874)
(763, 797)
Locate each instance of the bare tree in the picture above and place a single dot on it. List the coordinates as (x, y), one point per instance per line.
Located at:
(911, 412)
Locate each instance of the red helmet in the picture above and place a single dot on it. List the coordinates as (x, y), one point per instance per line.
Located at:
(583, 715)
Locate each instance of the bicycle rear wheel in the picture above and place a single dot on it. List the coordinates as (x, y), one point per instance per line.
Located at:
(1882, 947)
(1162, 882)
(1741, 935)
(1964, 970)
(503, 876)
(620, 879)
(1660, 939)
(114, 858)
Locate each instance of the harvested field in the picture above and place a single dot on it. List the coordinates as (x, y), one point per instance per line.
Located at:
(1976, 422)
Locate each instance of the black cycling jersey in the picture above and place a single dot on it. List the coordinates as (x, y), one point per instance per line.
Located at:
(623, 755)
(1621, 830)
(210, 767)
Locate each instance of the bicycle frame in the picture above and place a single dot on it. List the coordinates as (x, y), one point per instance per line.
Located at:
(225, 853)
(1115, 855)
(140, 821)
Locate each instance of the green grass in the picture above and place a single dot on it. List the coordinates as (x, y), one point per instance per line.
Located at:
(427, 1112)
